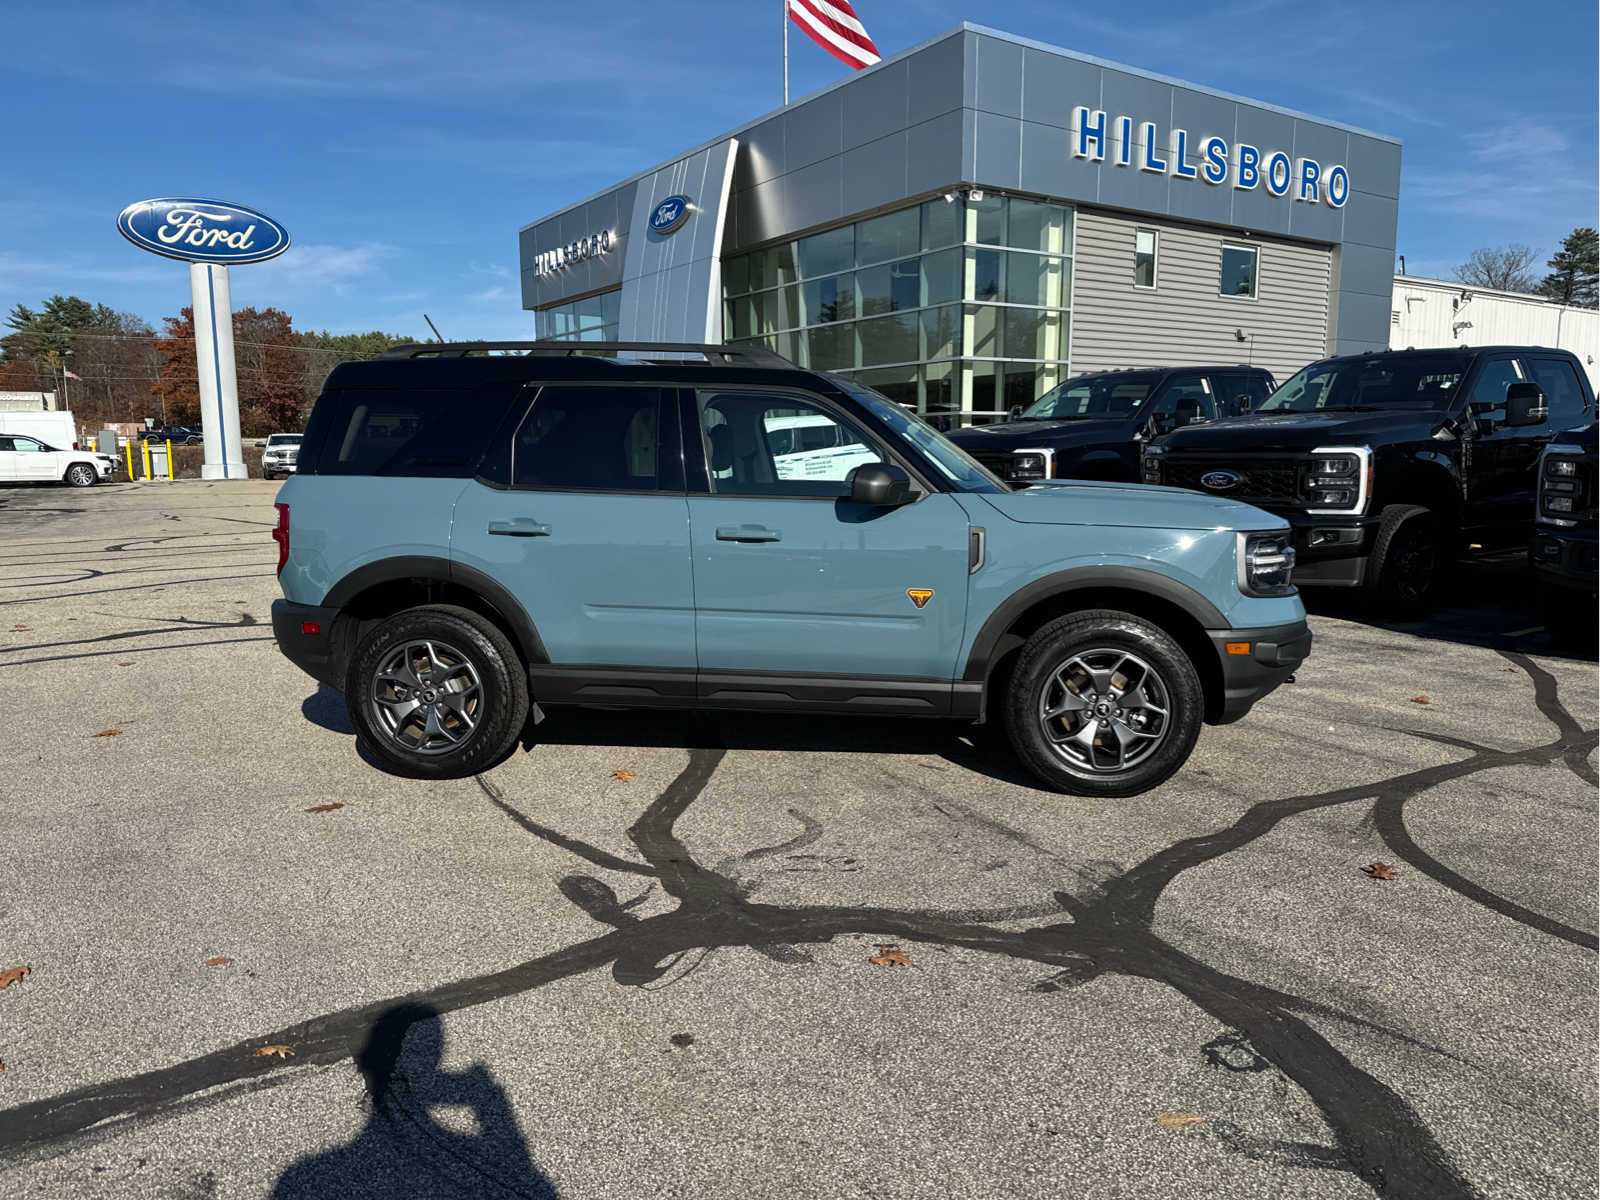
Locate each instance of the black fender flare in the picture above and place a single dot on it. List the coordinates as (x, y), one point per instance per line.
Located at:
(442, 570)
(1082, 579)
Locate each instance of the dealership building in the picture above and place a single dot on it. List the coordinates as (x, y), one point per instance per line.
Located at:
(971, 221)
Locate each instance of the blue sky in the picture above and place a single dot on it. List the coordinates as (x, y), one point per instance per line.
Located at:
(404, 143)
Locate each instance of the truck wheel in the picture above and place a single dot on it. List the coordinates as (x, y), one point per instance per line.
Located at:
(1407, 561)
(81, 475)
(1103, 703)
(437, 693)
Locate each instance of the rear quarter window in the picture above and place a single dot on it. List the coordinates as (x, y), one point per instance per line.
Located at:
(413, 432)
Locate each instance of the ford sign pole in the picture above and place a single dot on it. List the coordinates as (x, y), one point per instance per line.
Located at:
(219, 378)
(209, 235)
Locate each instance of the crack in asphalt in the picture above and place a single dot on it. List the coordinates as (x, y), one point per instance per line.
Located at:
(1108, 930)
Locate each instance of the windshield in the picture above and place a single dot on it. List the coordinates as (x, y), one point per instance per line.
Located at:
(1089, 397)
(951, 461)
(284, 439)
(1411, 382)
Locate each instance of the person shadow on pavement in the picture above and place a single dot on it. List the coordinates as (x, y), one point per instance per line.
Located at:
(405, 1153)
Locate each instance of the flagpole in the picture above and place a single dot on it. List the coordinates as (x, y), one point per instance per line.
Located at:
(786, 53)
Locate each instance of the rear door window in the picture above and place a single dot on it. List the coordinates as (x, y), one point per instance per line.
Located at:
(1562, 392)
(590, 438)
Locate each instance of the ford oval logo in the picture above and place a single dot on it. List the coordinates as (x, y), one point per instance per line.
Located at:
(669, 216)
(204, 231)
(1219, 481)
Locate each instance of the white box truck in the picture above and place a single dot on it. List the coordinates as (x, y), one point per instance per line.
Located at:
(42, 447)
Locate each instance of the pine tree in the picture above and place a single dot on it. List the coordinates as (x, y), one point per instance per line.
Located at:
(1575, 269)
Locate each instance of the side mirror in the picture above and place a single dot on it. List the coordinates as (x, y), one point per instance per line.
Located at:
(1163, 423)
(881, 485)
(1014, 413)
(1525, 405)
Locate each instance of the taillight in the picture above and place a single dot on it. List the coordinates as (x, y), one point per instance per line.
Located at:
(281, 535)
(74, 444)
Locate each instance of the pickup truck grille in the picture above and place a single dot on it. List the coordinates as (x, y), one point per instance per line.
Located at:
(1262, 480)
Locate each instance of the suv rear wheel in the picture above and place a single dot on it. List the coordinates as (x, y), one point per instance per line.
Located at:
(1103, 703)
(437, 693)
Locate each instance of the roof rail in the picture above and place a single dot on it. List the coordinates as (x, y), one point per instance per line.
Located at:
(724, 355)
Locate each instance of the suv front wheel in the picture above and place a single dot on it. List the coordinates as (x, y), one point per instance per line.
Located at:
(1103, 703)
(437, 693)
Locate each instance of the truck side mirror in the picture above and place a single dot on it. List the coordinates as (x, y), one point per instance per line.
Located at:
(1525, 405)
(881, 485)
(1014, 412)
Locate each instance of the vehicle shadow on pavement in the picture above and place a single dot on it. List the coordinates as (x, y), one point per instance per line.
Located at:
(980, 749)
(405, 1152)
(1491, 604)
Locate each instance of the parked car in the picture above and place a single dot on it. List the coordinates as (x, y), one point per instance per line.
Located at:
(1389, 465)
(28, 460)
(1564, 536)
(468, 535)
(184, 435)
(1092, 426)
(281, 454)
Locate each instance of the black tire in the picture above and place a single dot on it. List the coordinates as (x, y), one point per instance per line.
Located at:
(1407, 563)
(193, 441)
(268, 475)
(1570, 618)
(465, 649)
(1086, 767)
(81, 475)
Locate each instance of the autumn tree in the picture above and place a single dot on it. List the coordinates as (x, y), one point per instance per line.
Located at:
(1503, 268)
(269, 365)
(177, 386)
(106, 352)
(324, 351)
(1575, 269)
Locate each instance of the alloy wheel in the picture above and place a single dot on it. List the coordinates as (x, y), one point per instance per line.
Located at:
(1105, 711)
(427, 696)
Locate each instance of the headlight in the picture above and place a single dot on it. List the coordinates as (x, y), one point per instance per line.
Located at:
(1151, 463)
(1560, 466)
(1337, 479)
(1266, 564)
(1561, 484)
(1031, 464)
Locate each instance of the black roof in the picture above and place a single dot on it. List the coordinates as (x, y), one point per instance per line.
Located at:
(1434, 351)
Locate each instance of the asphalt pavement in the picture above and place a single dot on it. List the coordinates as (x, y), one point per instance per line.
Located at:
(742, 956)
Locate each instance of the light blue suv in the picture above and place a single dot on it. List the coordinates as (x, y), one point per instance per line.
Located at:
(480, 531)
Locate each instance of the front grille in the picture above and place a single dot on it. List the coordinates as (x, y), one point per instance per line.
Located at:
(1262, 480)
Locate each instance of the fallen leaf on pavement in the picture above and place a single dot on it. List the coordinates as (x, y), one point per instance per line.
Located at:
(219, 961)
(624, 776)
(107, 733)
(13, 975)
(1178, 1120)
(270, 1051)
(1419, 700)
(1380, 870)
(129, 663)
(890, 956)
(324, 807)
(20, 628)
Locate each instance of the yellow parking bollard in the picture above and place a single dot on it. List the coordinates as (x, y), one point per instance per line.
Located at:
(169, 462)
(127, 448)
(147, 462)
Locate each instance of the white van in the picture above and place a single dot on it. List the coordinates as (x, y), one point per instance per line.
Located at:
(42, 447)
(56, 429)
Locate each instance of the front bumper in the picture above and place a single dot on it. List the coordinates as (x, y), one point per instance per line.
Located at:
(1270, 656)
(1564, 558)
(313, 653)
(1330, 551)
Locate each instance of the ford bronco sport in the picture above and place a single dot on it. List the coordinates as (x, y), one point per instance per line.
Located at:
(474, 535)
(1390, 465)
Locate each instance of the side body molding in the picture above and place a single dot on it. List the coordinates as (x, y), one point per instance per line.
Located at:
(442, 570)
(1081, 579)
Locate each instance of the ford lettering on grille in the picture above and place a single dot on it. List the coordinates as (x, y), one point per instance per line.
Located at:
(1219, 481)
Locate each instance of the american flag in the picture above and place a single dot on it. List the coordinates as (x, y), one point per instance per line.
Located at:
(833, 25)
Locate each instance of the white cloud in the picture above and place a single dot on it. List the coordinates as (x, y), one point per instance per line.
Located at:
(321, 266)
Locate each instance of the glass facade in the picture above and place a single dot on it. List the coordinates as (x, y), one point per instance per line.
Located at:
(948, 306)
(592, 319)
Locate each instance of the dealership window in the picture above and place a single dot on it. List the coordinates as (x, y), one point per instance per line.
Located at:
(1144, 258)
(592, 319)
(915, 302)
(1238, 271)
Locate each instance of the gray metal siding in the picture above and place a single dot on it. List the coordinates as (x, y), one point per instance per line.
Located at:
(1183, 320)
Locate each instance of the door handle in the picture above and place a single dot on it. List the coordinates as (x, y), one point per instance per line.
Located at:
(747, 533)
(520, 527)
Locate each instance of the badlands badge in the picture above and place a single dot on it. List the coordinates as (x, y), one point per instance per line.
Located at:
(920, 596)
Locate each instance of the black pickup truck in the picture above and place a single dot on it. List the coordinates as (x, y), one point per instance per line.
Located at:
(1092, 426)
(1564, 536)
(1388, 465)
